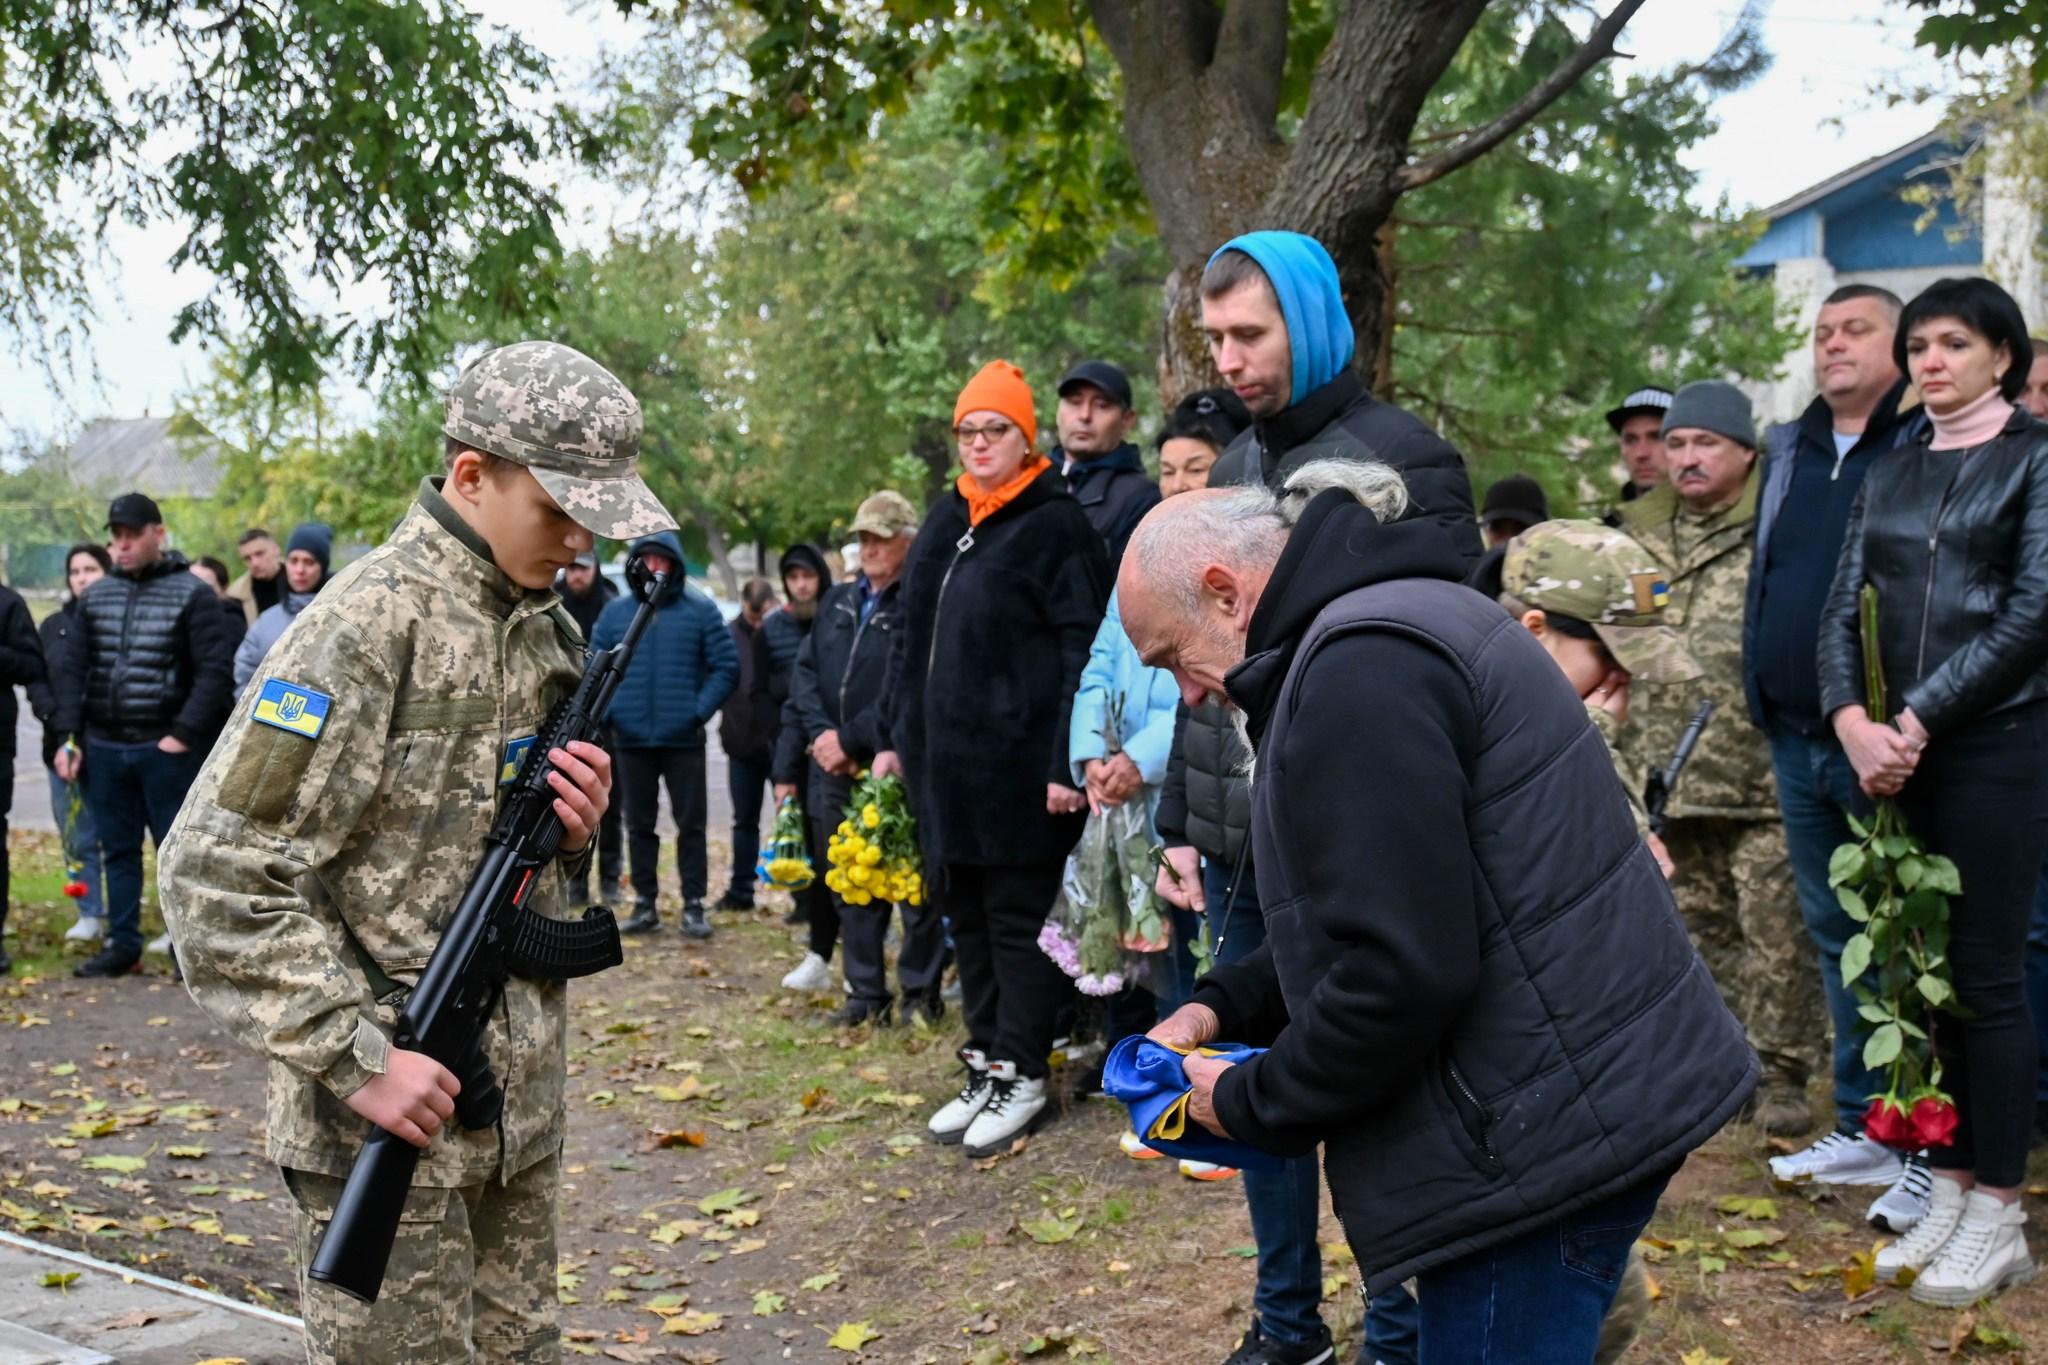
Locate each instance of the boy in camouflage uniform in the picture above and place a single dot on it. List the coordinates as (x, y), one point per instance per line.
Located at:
(337, 821)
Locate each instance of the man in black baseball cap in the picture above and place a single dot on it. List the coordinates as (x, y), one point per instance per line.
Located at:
(1103, 470)
(1512, 506)
(1638, 422)
(142, 697)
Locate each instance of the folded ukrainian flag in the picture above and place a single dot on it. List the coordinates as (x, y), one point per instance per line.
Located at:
(1149, 1079)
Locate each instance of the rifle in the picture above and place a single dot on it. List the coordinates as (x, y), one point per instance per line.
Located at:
(1657, 791)
(491, 936)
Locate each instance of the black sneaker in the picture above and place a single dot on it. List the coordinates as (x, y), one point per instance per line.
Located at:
(927, 1006)
(733, 900)
(644, 921)
(857, 1012)
(108, 962)
(611, 893)
(1257, 1349)
(694, 923)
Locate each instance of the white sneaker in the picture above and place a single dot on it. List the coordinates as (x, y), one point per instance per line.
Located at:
(1905, 1203)
(1912, 1252)
(1134, 1147)
(1988, 1253)
(1205, 1170)
(811, 975)
(950, 1123)
(1839, 1159)
(160, 944)
(1013, 1105)
(88, 929)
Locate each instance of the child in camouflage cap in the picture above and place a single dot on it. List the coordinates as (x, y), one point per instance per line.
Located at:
(333, 829)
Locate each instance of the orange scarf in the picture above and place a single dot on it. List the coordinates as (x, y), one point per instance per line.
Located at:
(981, 506)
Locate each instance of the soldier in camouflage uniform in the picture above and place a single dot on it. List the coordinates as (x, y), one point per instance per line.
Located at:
(339, 817)
(1734, 878)
(1595, 599)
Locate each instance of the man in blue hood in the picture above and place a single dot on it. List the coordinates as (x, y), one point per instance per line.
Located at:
(680, 676)
(1278, 331)
(1102, 469)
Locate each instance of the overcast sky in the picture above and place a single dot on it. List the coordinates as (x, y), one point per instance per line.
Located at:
(1819, 110)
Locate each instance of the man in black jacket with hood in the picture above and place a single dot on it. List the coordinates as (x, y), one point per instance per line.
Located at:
(1475, 986)
(143, 696)
(1103, 471)
(805, 577)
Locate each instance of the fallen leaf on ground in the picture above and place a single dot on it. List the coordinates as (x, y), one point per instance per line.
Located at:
(851, 1336)
(1747, 1206)
(692, 1323)
(767, 1303)
(824, 1281)
(681, 1137)
(138, 1318)
(58, 1279)
(1050, 1230)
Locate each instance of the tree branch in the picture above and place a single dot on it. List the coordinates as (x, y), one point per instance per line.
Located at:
(1252, 43)
(1478, 143)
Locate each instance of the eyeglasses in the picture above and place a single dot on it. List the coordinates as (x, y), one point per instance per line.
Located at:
(993, 432)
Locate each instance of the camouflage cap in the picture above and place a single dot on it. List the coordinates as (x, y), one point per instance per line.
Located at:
(1598, 575)
(887, 513)
(571, 422)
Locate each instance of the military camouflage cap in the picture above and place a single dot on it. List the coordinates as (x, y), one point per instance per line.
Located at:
(568, 420)
(1598, 575)
(887, 514)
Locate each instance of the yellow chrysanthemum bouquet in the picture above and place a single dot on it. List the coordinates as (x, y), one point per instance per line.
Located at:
(784, 862)
(874, 853)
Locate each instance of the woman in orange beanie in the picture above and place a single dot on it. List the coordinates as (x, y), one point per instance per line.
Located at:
(1005, 585)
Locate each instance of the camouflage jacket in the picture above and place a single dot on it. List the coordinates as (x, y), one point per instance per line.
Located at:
(1631, 781)
(1708, 562)
(341, 814)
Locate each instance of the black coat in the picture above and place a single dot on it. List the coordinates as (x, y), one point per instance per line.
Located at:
(1342, 420)
(21, 662)
(983, 672)
(1205, 802)
(60, 634)
(1479, 994)
(840, 673)
(746, 723)
(1957, 545)
(155, 659)
(1115, 492)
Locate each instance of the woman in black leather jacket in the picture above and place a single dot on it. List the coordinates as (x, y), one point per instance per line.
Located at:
(1953, 532)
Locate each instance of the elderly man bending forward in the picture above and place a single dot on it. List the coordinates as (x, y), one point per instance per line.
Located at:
(1477, 993)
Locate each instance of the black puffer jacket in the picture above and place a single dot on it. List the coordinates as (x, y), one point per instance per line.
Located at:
(21, 662)
(1480, 997)
(1205, 803)
(1341, 420)
(155, 659)
(983, 670)
(1957, 546)
(838, 686)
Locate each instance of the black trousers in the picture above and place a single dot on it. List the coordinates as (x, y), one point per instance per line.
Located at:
(820, 907)
(1011, 992)
(611, 833)
(1980, 797)
(746, 782)
(643, 772)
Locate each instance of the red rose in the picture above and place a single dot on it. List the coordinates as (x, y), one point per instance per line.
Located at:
(1886, 1121)
(1933, 1121)
(75, 890)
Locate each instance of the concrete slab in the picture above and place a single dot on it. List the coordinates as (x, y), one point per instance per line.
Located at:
(114, 1313)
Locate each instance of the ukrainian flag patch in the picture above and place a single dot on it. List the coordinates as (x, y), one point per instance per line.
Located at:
(288, 706)
(515, 755)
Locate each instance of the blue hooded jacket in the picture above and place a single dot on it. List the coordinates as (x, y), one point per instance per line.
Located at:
(685, 668)
(1319, 331)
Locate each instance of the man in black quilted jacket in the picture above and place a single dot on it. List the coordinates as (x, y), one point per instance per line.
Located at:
(143, 697)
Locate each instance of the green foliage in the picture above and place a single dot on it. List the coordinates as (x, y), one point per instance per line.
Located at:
(1567, 267)
(324, 141)
(1979, 28)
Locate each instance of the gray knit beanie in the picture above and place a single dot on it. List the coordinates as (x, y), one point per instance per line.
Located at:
(1713, 406)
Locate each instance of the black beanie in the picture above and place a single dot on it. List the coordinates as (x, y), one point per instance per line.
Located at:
(316, 540)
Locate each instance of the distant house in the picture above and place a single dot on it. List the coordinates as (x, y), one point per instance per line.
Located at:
(1859, 227)
(165, 457)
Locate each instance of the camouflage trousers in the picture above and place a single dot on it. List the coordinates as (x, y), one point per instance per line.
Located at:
(1733, 884)
(471, 1277)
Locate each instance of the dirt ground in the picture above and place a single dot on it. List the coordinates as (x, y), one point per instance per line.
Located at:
(745, 1183)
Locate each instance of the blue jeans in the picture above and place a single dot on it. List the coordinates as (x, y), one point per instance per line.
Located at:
(1817, 791)
(131, 787)
(85, 845)
(2037, 981)
(1540, 1299)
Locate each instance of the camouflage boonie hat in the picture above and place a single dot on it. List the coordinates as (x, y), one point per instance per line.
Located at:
(887, 514)
(1598, 575)
(568, 420)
